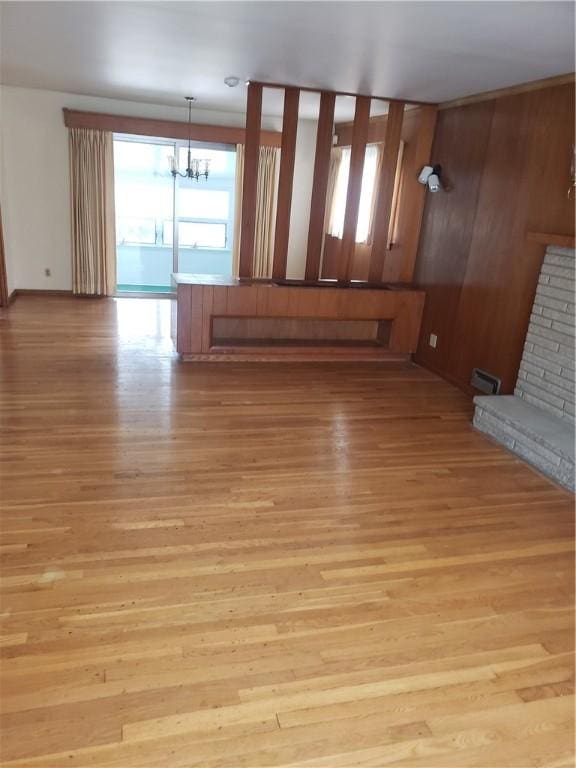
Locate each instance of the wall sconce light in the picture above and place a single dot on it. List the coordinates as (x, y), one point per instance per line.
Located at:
(430, 176)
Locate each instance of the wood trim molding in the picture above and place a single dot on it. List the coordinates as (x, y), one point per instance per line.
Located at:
(285, 182)
(514, 90)
(386, 187)
(357, 154)
(250, 180)
(320, 184)
(166, 129)
(43, 292)
(550, 238)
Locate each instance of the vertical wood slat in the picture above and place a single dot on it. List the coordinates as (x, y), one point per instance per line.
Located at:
(250, 179)
(320, 184)
(383, 207)
(422, 156)
(357, 153)
(285, 181)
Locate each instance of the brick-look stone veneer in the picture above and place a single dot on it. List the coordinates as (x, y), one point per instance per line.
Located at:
(537, 422)
(546, 376)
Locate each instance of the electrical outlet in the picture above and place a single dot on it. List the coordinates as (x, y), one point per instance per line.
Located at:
(47, 272)
(433, 340)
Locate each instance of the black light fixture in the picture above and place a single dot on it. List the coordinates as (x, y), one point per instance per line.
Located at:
(195, 167)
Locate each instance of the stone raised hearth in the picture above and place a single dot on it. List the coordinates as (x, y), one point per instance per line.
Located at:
(537, 422)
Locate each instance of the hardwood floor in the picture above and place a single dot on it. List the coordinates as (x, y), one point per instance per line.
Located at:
(266, 564)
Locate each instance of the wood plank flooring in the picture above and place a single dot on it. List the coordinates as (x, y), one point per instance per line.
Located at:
(266, 564)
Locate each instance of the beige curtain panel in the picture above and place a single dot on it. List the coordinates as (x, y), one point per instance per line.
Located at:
(266, 201)
(92, 198)
(237, 208)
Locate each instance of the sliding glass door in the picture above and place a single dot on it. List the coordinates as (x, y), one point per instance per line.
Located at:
(144, 199)
(166, 225)
(205, 214)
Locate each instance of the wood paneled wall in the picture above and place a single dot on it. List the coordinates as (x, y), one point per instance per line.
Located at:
(507, 163)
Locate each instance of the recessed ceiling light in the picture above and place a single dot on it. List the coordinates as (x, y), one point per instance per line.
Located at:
(231, 81)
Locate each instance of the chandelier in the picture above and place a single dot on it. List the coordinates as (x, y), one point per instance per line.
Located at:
(194, 167)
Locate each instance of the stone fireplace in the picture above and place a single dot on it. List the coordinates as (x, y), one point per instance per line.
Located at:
(537, 422)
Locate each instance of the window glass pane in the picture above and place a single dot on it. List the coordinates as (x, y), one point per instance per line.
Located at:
(144, 158)
(194, 203)
(167, 232)
(367, 193)
(138, 231)
(198, 234)
(222, 163)
(340, 190)
(144, 194)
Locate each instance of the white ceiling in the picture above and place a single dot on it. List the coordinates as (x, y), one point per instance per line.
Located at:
(160, 51)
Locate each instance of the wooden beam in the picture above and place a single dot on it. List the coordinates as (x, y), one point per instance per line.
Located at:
(285, 181)
(320, 184)
(415, 194)
(250, 180)
(383, 207)
(166, 129)
(357, 153)
(339, 93)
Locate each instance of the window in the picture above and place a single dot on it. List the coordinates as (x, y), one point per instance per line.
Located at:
(197, 234)
(367, 194)
(201, 203)
(221, 163)
(131, 230)
(201, 234)
(205, 208)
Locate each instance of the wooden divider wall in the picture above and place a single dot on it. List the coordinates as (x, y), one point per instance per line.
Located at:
(324, 141)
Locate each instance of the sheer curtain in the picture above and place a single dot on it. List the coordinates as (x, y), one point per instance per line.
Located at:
(92, 201)
(266, 200)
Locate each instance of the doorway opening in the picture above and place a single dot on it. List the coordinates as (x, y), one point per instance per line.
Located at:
(167, 224)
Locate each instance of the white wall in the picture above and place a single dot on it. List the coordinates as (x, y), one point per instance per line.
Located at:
(34, 179)
(301, 195)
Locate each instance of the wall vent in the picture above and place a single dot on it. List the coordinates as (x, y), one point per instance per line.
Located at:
(485, 382)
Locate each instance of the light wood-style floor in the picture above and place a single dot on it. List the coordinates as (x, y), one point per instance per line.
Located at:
(266, 564)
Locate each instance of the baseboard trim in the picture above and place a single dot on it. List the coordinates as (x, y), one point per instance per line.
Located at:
(38, 292)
